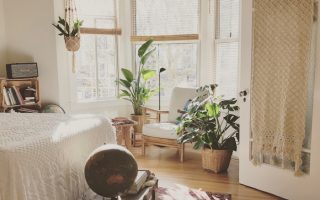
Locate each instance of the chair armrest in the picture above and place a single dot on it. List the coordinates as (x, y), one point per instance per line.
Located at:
(181, 111)
(155, 110)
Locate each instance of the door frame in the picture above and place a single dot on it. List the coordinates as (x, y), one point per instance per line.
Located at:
(269, 178)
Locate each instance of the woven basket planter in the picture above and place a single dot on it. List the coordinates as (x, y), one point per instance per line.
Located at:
(141, 120)
(72, 43)
(216, 160)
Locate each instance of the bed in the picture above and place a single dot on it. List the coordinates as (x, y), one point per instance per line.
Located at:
(42, 156)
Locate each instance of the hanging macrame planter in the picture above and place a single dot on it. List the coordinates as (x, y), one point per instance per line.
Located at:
(72, 43)
(69, 27)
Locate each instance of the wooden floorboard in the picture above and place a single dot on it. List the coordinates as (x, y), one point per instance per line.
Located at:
(164, 162)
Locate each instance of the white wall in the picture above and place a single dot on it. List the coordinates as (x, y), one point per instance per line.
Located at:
(3, 53)
(31, 38)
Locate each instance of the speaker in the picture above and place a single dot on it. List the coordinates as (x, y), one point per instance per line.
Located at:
(22, 70)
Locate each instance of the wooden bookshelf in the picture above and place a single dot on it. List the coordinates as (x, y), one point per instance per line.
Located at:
(20, 83)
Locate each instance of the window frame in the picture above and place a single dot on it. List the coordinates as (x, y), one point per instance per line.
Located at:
(167, 39)
(218, 40)
(116, 32)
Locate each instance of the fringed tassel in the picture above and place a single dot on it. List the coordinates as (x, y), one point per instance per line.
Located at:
(298, 163)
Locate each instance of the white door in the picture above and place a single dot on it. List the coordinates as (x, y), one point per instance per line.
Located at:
(266, 177)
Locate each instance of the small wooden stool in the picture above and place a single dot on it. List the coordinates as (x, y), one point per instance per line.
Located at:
(124, 133)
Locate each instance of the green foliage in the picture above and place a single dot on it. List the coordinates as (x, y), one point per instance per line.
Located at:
(66, 30)
(136, 88)
(210, 122)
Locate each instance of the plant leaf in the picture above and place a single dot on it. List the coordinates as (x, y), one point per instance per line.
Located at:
(145, 57)
(231, 118)
(125, 93)
(125, 83)
(60, 29)
(144, 47)
(147, 74)
(230, 144)
(213, 109)
(127, 74)
(198, 144)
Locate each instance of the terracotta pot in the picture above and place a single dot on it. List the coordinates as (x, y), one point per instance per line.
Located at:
(216, 160)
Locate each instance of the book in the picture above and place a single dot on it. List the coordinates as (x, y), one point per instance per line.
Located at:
(29, 98)
(29, 102)
(15, 96)
(28, 93)
(17, 91)
(8, 94)
(27, 110)
(138, 182)
(5, 96)
(12, 100)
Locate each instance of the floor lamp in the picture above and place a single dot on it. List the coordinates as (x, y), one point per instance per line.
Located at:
(160, 71)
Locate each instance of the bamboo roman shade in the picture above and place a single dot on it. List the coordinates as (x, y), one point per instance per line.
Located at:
(100, 17)
(165, 20)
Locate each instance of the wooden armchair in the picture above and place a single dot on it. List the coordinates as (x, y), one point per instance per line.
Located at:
(164, 133)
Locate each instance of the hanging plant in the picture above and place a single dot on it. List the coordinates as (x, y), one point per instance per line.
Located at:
(69, 28)
(71, 33)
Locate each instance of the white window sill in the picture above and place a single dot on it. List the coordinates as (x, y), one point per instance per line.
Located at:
(98, 104)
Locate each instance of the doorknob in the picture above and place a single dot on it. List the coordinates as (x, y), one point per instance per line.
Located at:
(243, 93)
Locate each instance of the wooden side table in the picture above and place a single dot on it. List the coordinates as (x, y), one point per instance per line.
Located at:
(124, 133)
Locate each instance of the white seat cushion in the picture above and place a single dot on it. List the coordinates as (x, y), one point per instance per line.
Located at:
(160, 130)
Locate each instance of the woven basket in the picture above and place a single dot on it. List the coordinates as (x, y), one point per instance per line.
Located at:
(216, 160)
(72, 43)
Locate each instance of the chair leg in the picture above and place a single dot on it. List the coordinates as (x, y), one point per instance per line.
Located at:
(143, 147)
(181, 152)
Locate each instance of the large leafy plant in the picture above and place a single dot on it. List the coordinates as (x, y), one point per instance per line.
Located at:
(68, 30)
(210, 122)
(137, 89)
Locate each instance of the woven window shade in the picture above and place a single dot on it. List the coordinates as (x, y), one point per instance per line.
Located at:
(227, 69)
(99, 17)
(165, 20)
(227, 19)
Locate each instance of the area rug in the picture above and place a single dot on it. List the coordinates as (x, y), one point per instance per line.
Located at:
(180, 192)
(176, 192)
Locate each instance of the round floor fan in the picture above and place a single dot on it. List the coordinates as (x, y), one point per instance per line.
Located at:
(110, 170)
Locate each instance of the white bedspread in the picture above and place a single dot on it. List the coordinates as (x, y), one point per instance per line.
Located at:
(42, 156)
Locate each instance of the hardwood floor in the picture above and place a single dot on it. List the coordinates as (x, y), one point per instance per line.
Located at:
(164, 162)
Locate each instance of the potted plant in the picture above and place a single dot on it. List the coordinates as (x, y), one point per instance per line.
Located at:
(210, 123)
(136, 88)
(71, 33)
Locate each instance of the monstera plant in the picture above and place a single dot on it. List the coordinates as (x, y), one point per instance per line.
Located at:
(210, 122)
(136, 87)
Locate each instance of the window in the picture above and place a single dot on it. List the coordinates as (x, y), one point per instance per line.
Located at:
(174, 26)
(227, 47)
(97, 59)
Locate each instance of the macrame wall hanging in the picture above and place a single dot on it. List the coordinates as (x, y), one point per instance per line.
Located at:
(282, 32)
(69, 28)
